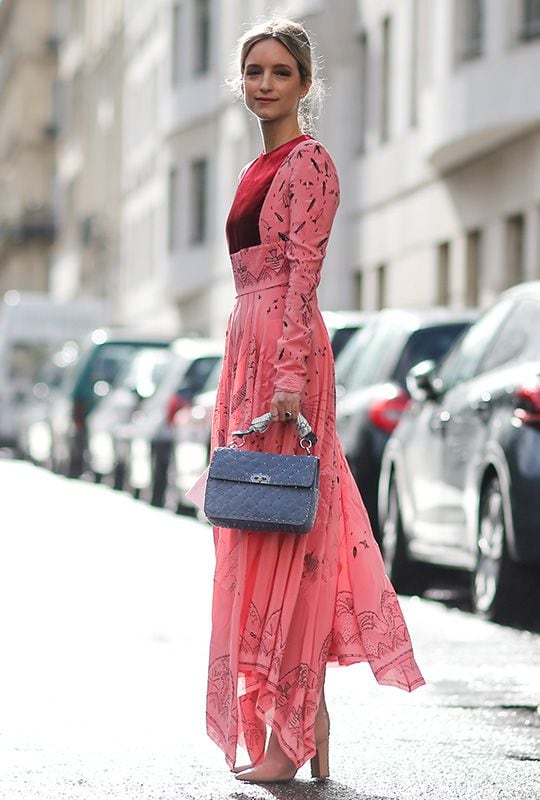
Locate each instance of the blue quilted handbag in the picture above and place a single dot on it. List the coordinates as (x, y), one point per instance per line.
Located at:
(257, 491)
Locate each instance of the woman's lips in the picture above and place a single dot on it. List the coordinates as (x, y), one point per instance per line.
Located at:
(265, 100)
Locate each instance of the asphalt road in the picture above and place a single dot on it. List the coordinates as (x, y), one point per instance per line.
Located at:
(104, 619)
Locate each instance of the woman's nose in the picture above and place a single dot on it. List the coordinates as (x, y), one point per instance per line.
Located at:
(266, 81)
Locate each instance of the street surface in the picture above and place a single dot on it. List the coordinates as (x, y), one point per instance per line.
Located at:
(105, 608)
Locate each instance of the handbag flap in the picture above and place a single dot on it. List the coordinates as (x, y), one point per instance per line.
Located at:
(248, 466)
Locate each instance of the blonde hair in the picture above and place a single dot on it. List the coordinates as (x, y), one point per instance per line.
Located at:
(295, 38)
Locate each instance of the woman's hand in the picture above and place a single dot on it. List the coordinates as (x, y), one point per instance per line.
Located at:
(285, 406)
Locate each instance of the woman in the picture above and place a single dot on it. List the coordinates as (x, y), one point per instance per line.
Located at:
(284, 605)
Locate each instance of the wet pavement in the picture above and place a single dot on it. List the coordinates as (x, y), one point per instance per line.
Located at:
(104, 636)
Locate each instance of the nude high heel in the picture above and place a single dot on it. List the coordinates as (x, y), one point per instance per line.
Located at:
(319, 763)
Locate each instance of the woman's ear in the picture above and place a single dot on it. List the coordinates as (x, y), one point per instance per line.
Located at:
(306, 86)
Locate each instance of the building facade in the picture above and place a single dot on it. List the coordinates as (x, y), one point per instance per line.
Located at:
(87, 190)
(447, 175)
(186, 139)
(431, 114)
(28, 54)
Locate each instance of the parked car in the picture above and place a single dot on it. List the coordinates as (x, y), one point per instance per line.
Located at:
(342, 325)
(33, 326)
(371, 388)
(149, 436)
(34, 440)
(86, 382)
(141, 376)
(193, 428)
(460, 478)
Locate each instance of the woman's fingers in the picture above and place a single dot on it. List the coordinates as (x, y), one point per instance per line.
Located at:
(285, 406)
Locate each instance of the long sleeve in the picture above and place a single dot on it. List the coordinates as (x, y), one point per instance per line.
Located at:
(313, 197)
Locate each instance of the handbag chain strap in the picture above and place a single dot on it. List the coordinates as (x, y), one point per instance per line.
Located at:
(260, 424)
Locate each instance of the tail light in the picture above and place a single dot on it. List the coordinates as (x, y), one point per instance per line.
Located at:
(385, 412)
(527, 399)
(78, 414)
(175, 404)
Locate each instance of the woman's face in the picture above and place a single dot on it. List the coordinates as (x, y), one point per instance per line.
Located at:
(271, 81)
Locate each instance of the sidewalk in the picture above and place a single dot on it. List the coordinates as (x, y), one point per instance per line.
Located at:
(104, 635)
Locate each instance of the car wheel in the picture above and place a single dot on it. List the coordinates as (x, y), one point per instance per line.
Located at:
(159, 483)
(407, 576)
(498, 582)
(119, 476)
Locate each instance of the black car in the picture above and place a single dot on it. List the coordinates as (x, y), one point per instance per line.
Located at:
(99, 364)
(460, 479)
(141, 377)
(371, 387)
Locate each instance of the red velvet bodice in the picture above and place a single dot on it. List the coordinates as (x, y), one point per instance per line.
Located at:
(242, 227)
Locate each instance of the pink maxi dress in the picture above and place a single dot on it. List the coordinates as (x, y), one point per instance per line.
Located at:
(284, 605)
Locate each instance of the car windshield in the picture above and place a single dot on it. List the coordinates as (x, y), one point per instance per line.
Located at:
(145, 371)
(462, 361)
(363, 360)
(109, 359)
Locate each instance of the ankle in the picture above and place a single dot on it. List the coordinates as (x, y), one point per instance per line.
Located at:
(322, 725)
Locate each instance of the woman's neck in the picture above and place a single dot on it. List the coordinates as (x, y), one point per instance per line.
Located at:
(274, 136)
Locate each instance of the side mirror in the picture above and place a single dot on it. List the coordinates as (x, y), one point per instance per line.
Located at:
(422, 381)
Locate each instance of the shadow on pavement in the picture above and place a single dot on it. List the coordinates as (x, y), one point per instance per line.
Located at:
(454, 592)
(323, 790)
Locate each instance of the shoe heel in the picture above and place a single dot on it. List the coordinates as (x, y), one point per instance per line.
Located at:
(319, 762)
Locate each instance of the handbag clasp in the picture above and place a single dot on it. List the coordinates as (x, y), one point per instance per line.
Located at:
(258, 477)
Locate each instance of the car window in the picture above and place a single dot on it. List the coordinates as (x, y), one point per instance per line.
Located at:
(109, 360)
(463, 361)
(427, 343)
(196, 374)
(373, 346)
(345, 360)
(212, 381)
(340, 337)
(518, 339)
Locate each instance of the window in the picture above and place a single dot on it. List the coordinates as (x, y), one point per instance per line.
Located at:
(530, 28)
(470, 29)
(363, 104)
(199, 201)
(59, 104)
(359, 289)
(443, 274)
(415, 46)
(385, 79)
(380, 287)
(472, 266)
(515, 252)
(173, 216)
(201, 36)
(176, 49)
